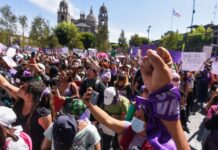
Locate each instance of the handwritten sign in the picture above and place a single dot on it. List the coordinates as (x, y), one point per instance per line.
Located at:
(215, 67)
(65, 50)
(192, 61)
(11, 52)
(208, 51)
(9, 61)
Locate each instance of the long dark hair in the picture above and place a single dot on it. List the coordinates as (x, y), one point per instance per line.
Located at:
(40, 97)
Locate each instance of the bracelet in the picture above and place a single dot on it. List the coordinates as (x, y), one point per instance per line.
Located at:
(67, 99)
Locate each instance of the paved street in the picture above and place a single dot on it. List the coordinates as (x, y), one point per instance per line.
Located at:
(196, 130)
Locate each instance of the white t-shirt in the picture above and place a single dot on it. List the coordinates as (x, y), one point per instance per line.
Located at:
(85, 139)
(16, 145)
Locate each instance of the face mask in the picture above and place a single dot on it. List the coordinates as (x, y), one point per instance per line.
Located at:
(137, 125)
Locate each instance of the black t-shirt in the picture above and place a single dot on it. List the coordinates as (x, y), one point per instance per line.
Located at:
(31, 127)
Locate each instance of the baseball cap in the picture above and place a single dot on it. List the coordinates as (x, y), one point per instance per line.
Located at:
(41, 66)
(77, 108)
(109, 94)
(7, 116)
(64, 131)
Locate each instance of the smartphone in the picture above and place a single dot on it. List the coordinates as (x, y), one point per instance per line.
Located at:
(94, 97)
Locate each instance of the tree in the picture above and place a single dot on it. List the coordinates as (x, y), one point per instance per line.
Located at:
(67, 35)
(53, 41)
(40, 32)
(145, 40)
(23, 23)
(102, 42)
(172, 40)
(198, 38)
(7, 22)
(88, 39)
(135, 40)
(122, 41)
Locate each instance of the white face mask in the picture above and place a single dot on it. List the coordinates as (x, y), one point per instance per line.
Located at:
(137, 125)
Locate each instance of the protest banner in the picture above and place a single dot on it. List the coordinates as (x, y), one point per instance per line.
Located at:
(65, 50)
(215, 67)
(11, 52)
(208, 51)
(176, 56)
(9, 61)
(192, 61)
(144, 48)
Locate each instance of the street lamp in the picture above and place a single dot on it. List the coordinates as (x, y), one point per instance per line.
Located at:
(193, 12)
(149, 27)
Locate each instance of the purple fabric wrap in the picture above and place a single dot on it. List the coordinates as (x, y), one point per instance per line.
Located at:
(161, 104)
(165, 103)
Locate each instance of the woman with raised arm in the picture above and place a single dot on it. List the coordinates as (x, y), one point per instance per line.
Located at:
(32, 107)
(162, 127)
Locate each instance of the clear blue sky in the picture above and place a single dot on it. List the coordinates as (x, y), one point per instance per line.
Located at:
(134, 16)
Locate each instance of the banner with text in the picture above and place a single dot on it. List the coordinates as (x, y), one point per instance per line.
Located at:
(192, 61)
(215, 67)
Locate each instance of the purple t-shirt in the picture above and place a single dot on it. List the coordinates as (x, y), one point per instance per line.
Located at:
(161, 104)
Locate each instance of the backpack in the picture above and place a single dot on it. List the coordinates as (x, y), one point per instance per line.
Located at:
(25, 137)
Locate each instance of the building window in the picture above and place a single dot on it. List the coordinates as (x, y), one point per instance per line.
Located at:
(62, 17)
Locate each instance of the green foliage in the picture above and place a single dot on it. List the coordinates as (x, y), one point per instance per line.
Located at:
(102, 42)
(87, 39)
(67, 35)
(172, 40)
(40, 32)
(145, 40)
(198, 38)
(114, 45)
(136, 40)
(23, 23)
(4, 37)
(53, 41)
(7, 22)
(122, 41)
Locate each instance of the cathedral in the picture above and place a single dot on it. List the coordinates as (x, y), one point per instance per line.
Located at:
(84, 23)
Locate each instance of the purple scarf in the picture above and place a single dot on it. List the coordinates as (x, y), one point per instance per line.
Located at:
(161, 104)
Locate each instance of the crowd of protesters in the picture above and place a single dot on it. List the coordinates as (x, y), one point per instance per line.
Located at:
(69, 101)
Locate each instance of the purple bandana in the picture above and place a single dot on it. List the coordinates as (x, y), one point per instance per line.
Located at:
(165, 103)
(161, 104)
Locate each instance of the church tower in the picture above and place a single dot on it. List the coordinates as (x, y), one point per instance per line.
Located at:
(63, 12)
(103, 17)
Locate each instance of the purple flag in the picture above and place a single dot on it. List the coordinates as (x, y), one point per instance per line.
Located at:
(144, 48)
(176, 56)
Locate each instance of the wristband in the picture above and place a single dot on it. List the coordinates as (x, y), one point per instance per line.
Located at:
(67, 99)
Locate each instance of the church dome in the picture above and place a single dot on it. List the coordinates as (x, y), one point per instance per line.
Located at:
(63, 3)
(103, 9)
(91, 17)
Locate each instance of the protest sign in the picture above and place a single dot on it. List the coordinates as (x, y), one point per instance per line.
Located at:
(208, 51)
(215, 67)
(9, 61)
(11, 52)
(65, 50)
(192, 61)
(134, 51)
(92, 52)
